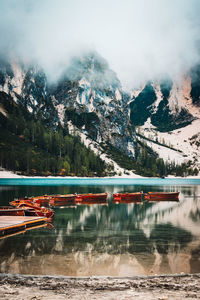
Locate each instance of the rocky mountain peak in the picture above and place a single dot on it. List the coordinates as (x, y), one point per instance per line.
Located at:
(90, 95)
(94, 69)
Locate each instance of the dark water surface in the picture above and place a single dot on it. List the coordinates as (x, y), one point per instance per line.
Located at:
(113, 239)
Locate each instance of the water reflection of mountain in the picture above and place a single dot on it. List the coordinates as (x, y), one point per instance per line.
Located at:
(111, 240)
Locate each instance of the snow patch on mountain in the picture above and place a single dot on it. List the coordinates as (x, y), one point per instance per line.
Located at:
(184, 149)
(61, 113)
(3, 112)
(83, 82)
(96, 148)
(118, 95)
(177, 97)
(13, 84)
(159, 96)
(18, 79)
(134, 93)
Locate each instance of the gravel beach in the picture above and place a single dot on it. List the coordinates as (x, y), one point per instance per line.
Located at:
(162, 287)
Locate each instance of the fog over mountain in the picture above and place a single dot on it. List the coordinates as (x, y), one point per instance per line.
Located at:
(141, 40)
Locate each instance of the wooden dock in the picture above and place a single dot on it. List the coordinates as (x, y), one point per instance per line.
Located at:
(13, 224)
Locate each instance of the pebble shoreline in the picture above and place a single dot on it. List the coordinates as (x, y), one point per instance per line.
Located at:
(160, 287)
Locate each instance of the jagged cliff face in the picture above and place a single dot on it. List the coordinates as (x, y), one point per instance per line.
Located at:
(167, 105)
(90, 96)
(27, 85)
(168, 113)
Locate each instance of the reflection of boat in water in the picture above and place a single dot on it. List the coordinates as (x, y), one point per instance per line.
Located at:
(128, 197)
(91, 201)
(91, 198)
(161, 196)
(11, 211)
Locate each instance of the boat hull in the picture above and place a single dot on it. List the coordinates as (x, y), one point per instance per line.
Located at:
(62, 200)
(91, 198)
(161, 196)
(49, 199)
(128, 197)
(33, 209)
(11, 211)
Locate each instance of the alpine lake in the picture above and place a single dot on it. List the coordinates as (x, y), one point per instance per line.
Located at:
(112, 239)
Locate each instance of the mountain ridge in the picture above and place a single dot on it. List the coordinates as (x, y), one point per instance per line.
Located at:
(90, 96)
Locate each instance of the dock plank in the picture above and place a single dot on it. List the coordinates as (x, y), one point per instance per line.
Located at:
(8, 223)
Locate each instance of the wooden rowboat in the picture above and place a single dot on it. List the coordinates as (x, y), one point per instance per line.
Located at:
(68, 198)
(49, 199)
(32, 209)
(11, 211)
(40, 200)
(162, 196)
(128, 197)
(16, 202)
(90, 198)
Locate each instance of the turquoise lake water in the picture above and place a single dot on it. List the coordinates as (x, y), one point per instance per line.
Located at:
(99, 181)
(113, 239)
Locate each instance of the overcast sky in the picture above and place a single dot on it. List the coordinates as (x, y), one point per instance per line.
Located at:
(140, 39)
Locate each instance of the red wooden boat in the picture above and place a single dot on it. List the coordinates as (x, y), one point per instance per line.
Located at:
(61, 203)
(162, 196)
(91, 198)
(16, 202)
(68, 198)
(11, 211)
(32, 209)
(44, 212)
(47, 200)
(128, 197)
(40, 200)
(55, 200)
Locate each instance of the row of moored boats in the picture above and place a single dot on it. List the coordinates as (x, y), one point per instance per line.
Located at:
(34, 206)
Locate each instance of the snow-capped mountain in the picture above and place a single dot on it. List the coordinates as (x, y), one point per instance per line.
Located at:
(91, 96)
(89, 99)
(27, 85)
(169, 121)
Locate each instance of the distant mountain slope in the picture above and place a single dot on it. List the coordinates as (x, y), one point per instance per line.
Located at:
(172, 123)
(150, 131)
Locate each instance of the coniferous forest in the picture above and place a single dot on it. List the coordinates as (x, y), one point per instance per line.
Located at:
(32, 146)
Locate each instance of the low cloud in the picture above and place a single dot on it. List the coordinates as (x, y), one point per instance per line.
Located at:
(141, 40)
